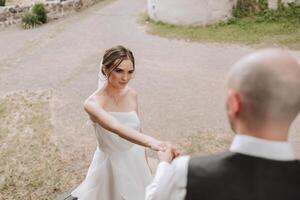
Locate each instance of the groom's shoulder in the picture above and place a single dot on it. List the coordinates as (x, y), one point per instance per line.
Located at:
(210, 160)
(228, 160)
(213, 157)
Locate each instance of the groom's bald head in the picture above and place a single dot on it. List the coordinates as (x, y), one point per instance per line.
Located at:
(268, 82)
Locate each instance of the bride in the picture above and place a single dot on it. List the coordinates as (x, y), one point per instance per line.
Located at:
(119, 170)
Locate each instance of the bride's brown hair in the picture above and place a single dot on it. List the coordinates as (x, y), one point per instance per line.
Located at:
(113, 57)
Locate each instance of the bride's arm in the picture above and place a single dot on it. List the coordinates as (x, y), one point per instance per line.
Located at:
(100, 116)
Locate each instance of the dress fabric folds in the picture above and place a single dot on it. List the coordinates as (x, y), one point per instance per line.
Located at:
(119, 170)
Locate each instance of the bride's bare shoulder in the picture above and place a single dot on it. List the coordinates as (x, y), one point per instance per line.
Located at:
(94, 100)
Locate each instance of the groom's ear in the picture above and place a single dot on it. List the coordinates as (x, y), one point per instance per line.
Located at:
(234, 103)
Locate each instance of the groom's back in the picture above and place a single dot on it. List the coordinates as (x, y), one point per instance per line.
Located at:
(233, 176)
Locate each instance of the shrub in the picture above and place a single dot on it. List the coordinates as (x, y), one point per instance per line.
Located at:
(2, 2)
(257, 11)
(30, 20)
(289, 14)
(40, 12)
(245, 8)
(37, 16)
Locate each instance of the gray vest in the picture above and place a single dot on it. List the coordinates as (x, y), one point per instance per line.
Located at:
(233, 176)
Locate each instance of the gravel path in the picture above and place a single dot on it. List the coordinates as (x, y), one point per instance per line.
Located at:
(180, 84)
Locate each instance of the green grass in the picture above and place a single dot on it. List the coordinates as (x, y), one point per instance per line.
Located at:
(270, 28)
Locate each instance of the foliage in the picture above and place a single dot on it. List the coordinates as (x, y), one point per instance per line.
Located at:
(289, 14)
(30, 20)
(40, 11)
(245, 8)
(37, 16)
(2, 2)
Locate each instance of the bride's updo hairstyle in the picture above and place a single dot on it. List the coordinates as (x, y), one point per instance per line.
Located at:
(113, 57)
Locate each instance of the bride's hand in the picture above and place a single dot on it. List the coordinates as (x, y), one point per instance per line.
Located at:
(157, 145)
(169, 154)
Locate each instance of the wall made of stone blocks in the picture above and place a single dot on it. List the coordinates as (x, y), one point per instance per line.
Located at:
(10, 15)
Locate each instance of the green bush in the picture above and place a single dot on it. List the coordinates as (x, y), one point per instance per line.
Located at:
(37, 16)
(2, 2)
(285, 14)
(40, 12)
(245, 8)
(30, 20)
(289, 14)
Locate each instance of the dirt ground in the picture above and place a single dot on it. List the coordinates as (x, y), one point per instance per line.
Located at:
(30, 164)
(46, 73)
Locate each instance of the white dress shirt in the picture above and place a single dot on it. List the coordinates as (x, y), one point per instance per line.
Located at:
(171, 179)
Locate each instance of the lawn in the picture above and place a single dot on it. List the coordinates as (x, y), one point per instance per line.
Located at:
(279, 28)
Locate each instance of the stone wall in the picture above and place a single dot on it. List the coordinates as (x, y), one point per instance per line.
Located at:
(10, 15)
(195, 12)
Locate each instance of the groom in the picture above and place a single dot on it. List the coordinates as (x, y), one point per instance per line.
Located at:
(263, 99)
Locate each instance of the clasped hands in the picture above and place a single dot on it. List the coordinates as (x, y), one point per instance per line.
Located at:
(167, 152)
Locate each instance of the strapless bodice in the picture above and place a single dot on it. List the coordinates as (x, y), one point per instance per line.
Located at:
(112, 143)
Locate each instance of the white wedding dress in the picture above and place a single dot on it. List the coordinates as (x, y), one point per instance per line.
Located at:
(119, 170)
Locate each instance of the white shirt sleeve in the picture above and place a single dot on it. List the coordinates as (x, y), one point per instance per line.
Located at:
(170, 180)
